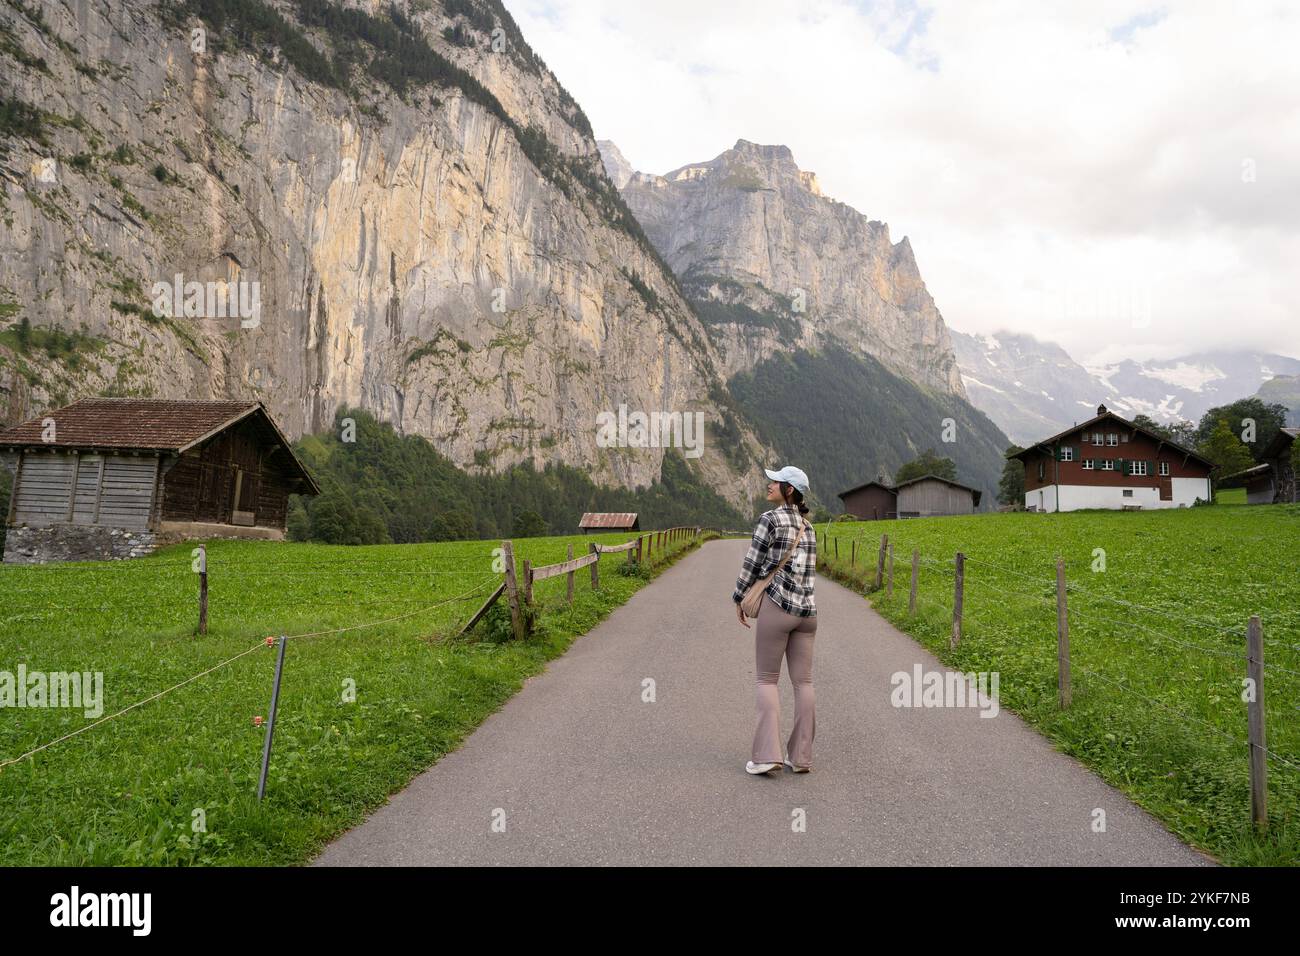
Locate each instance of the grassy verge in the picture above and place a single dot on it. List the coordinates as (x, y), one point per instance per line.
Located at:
(1158, 608)
(174, 781)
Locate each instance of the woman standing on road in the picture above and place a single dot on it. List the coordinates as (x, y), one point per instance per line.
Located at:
(781, 560)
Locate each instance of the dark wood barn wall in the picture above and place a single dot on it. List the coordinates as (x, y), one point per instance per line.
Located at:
(202, 484)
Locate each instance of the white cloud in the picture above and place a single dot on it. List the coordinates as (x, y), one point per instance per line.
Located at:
(1123, 178)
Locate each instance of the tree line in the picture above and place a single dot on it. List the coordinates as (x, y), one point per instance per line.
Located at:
(381, 487)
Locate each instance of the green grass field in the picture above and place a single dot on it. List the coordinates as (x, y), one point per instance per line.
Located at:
(1157, 645)
(131, 790)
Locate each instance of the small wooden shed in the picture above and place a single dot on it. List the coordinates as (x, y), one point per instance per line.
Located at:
(931, 495)
(874, 501)
(594, 522)
(1273, 480)
(115, 477)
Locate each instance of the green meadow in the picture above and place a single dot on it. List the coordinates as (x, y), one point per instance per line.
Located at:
(174, 781)
(1158, 607)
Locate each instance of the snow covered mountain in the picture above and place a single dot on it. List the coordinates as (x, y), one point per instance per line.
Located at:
(1033, 389)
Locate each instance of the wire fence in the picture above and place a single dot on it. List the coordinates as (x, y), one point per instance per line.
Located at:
(300, 597)
(1076, 616)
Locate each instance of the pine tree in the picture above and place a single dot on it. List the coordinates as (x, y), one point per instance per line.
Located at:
(1011, 489)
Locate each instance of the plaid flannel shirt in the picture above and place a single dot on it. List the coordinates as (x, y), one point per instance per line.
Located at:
(792, 587)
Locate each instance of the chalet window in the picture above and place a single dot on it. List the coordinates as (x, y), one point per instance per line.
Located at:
(1112, 439)
(1138, 468)
(1042, 471)
(1087, 464)
(1098, 438)
(1123, 436)
(1128, 492)
(1164, 469)
(1067, 453)
(1107, 465)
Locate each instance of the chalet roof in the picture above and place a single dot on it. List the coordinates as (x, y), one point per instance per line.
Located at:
(975, 492)
(1104, 414)
(877, 484)
(608, 519)
(142, 424)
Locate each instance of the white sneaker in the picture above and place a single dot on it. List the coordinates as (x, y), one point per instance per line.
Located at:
(795, 769)
(751, 767)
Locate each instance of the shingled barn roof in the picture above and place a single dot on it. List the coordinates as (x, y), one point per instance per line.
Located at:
(614, 520)
(141, 424)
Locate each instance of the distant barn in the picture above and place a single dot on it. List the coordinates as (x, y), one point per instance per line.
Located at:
(116, 477)
(931, 495)
(874, 501)
(923, 497)
(1273, 480)
(598, 521)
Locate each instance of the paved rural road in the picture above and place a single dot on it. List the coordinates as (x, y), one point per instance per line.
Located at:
(586, 773)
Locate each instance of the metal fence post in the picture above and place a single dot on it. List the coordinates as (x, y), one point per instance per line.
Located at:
(1062, 638)
(270, 723)
(1255, 724)
(916, 571)
(958, 585)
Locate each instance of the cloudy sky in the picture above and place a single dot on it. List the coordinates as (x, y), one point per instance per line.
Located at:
(1122, 178)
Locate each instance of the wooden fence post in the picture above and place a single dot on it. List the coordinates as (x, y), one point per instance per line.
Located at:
(889, 589)
(916, 572)
(528, 583)
(880, 561)
(1255, 724)
(853, 552)
(1062, 638)
(512, 592)
(570, 577)
(837, 547)
(639, 541)
(595, 567)
(203, 586)
(958, 584)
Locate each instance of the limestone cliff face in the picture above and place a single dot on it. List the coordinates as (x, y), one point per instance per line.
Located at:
(790, 267)
(411, 256)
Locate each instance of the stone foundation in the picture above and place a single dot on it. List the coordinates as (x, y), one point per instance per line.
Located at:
(70, 542)
(74, 542)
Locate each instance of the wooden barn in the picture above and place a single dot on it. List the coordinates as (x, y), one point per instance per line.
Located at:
(924, 497)
(930, 495)
(874, 501)
(116, 477)
(1273, 480)
(595, 522)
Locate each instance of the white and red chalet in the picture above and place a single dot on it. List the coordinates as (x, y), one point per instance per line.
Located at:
(1108, 462)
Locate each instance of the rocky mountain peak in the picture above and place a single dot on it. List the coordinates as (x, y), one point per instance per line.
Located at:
(617, 167)
(799, 267)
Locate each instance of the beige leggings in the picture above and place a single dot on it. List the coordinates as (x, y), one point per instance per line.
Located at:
(784, 635)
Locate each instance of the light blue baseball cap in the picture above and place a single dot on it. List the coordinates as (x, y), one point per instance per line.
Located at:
(790, 475)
